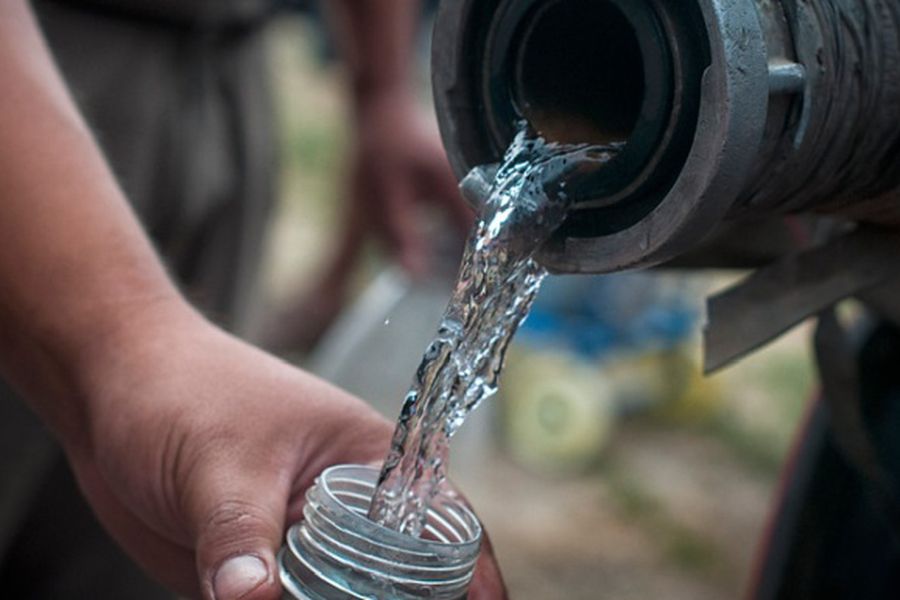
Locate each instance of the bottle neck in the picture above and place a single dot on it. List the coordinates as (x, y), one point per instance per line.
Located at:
(337, 552)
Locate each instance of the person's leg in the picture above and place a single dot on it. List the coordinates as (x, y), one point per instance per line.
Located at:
(225, 240)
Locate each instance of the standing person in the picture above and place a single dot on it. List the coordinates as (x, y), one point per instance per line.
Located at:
(192, 448)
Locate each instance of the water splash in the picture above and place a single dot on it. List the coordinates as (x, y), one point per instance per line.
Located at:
(497, 285)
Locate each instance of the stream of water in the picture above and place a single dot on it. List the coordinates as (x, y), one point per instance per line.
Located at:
(497, 284)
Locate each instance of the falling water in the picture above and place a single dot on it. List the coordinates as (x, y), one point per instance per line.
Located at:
(497, 284)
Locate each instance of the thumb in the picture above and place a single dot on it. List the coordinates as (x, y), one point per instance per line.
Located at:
(237, 534)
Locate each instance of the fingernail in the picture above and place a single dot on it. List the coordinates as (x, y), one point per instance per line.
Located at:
(239, 576)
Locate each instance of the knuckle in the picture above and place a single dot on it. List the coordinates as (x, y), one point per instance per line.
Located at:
(236, 516)
(236, 527)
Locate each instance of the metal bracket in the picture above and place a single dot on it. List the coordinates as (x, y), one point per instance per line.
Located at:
(774, 299)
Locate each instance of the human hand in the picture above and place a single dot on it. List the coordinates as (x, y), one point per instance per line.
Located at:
(398, 164)
(201, 447)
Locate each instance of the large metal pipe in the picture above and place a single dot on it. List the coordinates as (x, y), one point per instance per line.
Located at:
(729, 109)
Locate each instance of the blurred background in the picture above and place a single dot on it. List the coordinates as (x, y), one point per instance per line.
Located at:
(608, 467)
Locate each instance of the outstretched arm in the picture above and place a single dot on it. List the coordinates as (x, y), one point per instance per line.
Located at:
(193, 448)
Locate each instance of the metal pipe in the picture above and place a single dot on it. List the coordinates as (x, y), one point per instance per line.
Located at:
(730, 110)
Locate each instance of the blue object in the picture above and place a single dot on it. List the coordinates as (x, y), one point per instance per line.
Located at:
(596, 316)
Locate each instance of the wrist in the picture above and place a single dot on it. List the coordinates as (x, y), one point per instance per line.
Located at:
(102, 347)
(130, 348)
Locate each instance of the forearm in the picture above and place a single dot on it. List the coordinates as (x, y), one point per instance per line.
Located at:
(75, 266)
(376, 40)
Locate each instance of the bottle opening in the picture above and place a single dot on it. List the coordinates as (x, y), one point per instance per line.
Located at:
(336, 552)
(580, 72)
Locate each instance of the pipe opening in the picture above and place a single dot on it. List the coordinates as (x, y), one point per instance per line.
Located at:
(580, 73)
(596, 72)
